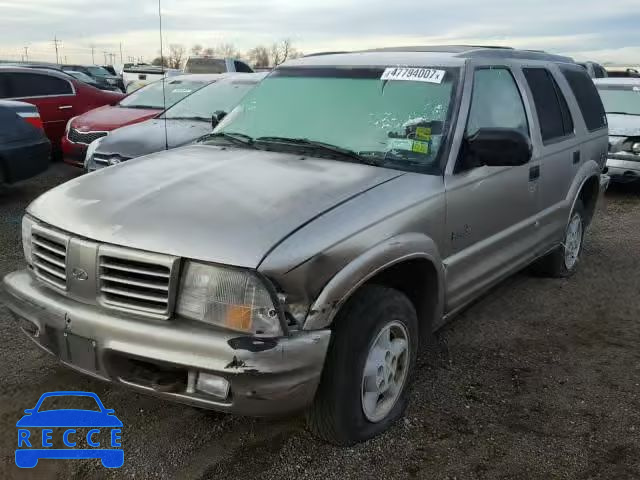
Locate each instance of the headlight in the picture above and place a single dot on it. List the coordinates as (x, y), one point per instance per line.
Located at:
(230, 298)
(27, 223)
(91, 149)
(635, 148)
(68, 127)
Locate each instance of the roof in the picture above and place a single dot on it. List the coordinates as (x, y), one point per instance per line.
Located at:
(442, 55)
(618, 81)
(40, 70)
(246, 77)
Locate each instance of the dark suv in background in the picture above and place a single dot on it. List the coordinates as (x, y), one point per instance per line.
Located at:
(102, 77)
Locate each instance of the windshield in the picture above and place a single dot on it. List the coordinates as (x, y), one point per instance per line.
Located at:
(151, 96)
(401, 121)
(220, 96)
(99, 72)
(625, 100)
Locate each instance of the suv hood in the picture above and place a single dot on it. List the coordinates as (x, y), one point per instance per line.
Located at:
(108, 118)
(216, 204)
(149, 137)
(623, 125)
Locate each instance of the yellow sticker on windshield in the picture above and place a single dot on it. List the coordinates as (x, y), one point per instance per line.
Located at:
(423, 133)
(420, 147)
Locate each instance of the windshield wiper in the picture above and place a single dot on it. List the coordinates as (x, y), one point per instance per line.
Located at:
(233, 137)
(145, 107)
(621, 113)
(315, 145)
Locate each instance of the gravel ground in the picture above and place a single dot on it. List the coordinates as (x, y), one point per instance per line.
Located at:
(539, 379)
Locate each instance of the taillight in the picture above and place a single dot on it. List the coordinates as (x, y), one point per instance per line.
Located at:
(33, 119)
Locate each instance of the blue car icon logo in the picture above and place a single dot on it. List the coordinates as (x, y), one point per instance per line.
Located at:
(91, 433)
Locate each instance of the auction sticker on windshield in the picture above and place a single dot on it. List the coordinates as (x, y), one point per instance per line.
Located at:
(429, 75)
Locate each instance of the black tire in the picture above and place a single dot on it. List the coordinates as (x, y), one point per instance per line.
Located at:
(337, 415)
(553, 264)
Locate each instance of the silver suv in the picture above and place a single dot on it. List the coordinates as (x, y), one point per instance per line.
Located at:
(298, 257)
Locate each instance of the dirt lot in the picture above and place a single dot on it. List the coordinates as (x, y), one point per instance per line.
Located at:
(540, 379)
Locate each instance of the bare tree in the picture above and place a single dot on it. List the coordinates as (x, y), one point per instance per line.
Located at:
(158, 61)
(259, 56)
(208, 52)
(227, 50)
(176, 55)
(196, 49)
(283, 51)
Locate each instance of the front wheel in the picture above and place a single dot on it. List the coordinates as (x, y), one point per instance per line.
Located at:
(563, 261)
(364, 386)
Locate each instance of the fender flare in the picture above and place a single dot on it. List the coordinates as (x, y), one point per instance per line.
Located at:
(589, 170)
(401, 248)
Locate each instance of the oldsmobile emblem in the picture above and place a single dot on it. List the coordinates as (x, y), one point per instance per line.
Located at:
(79, 274)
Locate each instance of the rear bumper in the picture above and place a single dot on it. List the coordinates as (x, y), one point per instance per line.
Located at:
(267, 376)
(73, 153)
(21, 161)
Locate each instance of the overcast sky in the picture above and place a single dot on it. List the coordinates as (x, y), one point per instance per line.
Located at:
(587, 29)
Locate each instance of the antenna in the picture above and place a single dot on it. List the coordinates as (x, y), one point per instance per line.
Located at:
(164, 81)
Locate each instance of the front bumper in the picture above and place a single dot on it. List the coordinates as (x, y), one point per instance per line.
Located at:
(271, 376)
(624, 169)
(73, 153)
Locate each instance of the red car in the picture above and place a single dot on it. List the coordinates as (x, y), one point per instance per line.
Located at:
(58, 96)
(141, 105)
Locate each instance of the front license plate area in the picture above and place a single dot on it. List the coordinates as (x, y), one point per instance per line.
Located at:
(73, 349)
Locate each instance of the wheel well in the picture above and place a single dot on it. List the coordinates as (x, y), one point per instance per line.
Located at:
(418, 280)
(589, 197)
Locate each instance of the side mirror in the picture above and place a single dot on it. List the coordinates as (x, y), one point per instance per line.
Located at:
(29, 411)
(109, 411)
(498, 147)
(217, 118)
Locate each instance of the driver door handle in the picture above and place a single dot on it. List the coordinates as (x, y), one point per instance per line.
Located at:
(534, 173)
(65, 107)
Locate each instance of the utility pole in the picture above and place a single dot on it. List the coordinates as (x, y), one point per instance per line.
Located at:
(26, 53)
(105, 57)
(55, 43)
(93, 49)
(121, 61)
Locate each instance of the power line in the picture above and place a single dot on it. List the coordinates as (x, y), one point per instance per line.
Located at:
(55, 43)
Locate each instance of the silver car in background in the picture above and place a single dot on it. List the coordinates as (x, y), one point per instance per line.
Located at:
(621, 99)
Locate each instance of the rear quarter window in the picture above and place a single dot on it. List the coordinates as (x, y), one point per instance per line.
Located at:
(587, 97)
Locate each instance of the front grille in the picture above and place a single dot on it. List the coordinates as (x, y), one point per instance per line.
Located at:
(136, 285)
(50, 257)
(76, 136)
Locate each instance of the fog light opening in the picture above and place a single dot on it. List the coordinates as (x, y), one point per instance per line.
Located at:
(29, 328)
(212, 385)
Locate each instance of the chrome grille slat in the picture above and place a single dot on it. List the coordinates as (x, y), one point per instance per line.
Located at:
(136, 283)
(139, 296)
(53, 272)
(41, 244)
(50, 259)
(49, 251)
(124, 268)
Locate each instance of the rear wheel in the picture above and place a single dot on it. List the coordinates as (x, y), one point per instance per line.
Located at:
(563, 261)
(364, 387)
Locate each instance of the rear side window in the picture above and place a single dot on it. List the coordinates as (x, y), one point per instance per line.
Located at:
(242, 67)
(25, 85)
(587, 97)
(553, 113)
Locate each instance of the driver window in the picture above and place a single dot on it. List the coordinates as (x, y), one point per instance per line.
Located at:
(496, 102)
